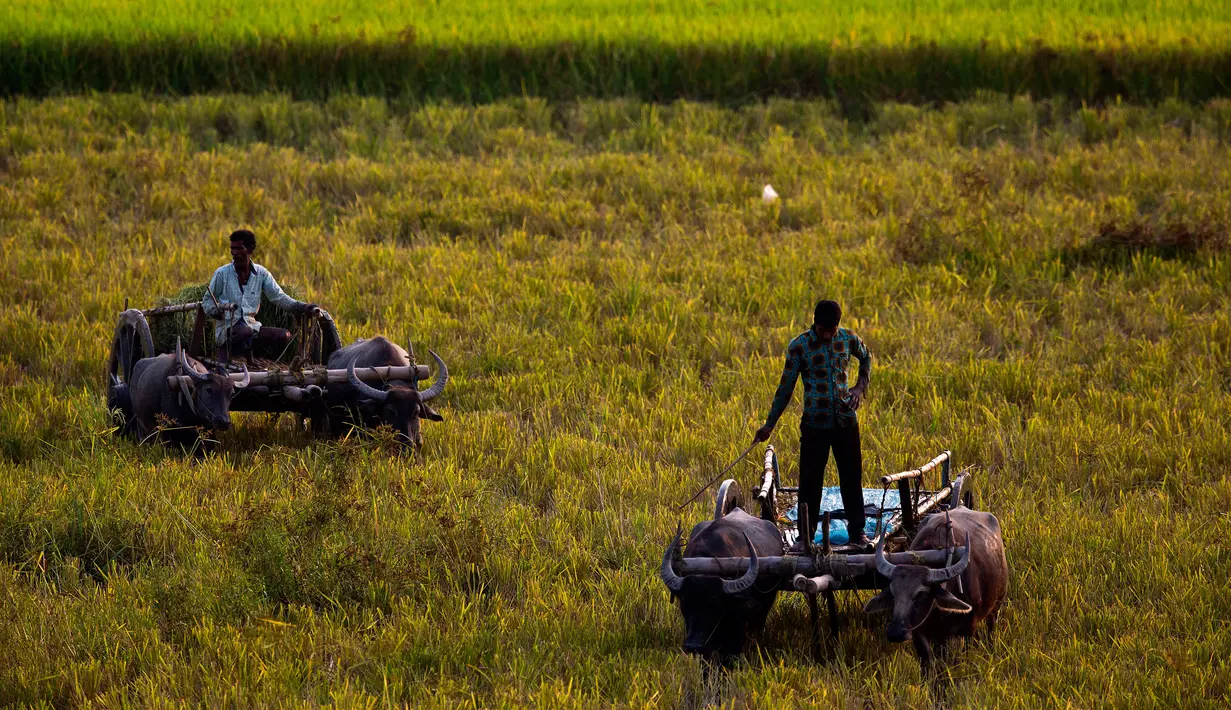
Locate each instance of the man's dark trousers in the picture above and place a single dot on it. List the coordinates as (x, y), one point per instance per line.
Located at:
(814, 446)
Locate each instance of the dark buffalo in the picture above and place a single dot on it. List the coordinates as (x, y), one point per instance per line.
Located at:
(401, 405)
(931, 606)
(207, 404)
(720, 614)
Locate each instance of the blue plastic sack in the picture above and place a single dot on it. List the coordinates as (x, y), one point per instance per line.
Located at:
(831, 500)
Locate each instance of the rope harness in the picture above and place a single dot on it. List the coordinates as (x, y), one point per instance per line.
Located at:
(953, 549)
(925, 617)
(880, 515)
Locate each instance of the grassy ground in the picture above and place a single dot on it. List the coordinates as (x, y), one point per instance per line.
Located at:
(730, 50)
(1044, 291)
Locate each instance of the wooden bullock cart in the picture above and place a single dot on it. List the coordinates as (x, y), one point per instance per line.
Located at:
(819, 568)
(294, 381)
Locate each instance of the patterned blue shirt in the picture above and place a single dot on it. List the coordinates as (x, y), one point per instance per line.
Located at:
(226, 288)
(823, 368)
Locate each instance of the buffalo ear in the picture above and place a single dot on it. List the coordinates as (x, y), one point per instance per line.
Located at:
(429, 413)
(880, 603)
(945, 601)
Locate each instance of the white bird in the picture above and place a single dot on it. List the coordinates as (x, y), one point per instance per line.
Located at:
(769, 195)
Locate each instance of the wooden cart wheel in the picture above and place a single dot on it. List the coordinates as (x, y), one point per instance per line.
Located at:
(728, 498)
(131, 342)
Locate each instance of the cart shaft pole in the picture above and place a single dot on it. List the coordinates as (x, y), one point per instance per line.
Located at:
(918, 472)
(164, 310)
(767, 477)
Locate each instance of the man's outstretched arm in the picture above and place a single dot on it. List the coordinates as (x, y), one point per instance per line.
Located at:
(280, 298)
(786, 387)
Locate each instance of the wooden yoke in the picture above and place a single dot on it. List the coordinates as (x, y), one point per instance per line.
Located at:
(319, 376)
(788, 567)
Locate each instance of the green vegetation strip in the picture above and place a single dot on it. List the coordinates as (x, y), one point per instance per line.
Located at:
(1044, 292)
(727, 50)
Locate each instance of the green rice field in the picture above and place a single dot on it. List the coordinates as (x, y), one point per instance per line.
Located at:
(734, 51)
(1023, 206)
(1044, 289)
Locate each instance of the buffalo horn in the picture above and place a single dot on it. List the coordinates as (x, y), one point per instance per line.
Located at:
(442, 377)
(362, 387)
(183, 361)
(222, 370)
(735, 586)
(884, 566)
(936, 576)
(673, 581)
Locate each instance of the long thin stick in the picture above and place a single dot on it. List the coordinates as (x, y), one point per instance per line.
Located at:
(720, 475)
(212, 297)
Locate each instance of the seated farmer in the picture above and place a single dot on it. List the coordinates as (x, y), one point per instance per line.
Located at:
(821, 356)
(238, 286)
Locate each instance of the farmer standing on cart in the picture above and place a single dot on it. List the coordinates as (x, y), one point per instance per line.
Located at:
(238, 287)
(821, 356)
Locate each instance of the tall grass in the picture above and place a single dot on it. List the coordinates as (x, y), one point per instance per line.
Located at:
(612, 299)
(729, 50)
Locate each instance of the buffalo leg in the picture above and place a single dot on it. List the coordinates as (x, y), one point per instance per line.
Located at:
(318, 415)
(754, 628)
(941, 650)
(940, 678)
(338, 417)
(924, 650)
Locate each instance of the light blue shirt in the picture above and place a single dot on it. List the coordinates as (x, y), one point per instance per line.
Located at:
(225, 287)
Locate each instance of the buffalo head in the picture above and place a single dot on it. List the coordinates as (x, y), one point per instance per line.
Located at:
(209, 395)
(915, 593)
(404, 406)
(716, 611)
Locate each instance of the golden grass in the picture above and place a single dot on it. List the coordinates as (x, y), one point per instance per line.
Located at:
(612, 299)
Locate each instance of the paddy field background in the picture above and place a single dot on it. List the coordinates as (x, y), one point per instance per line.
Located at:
(662, 50)
(1041, 276)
